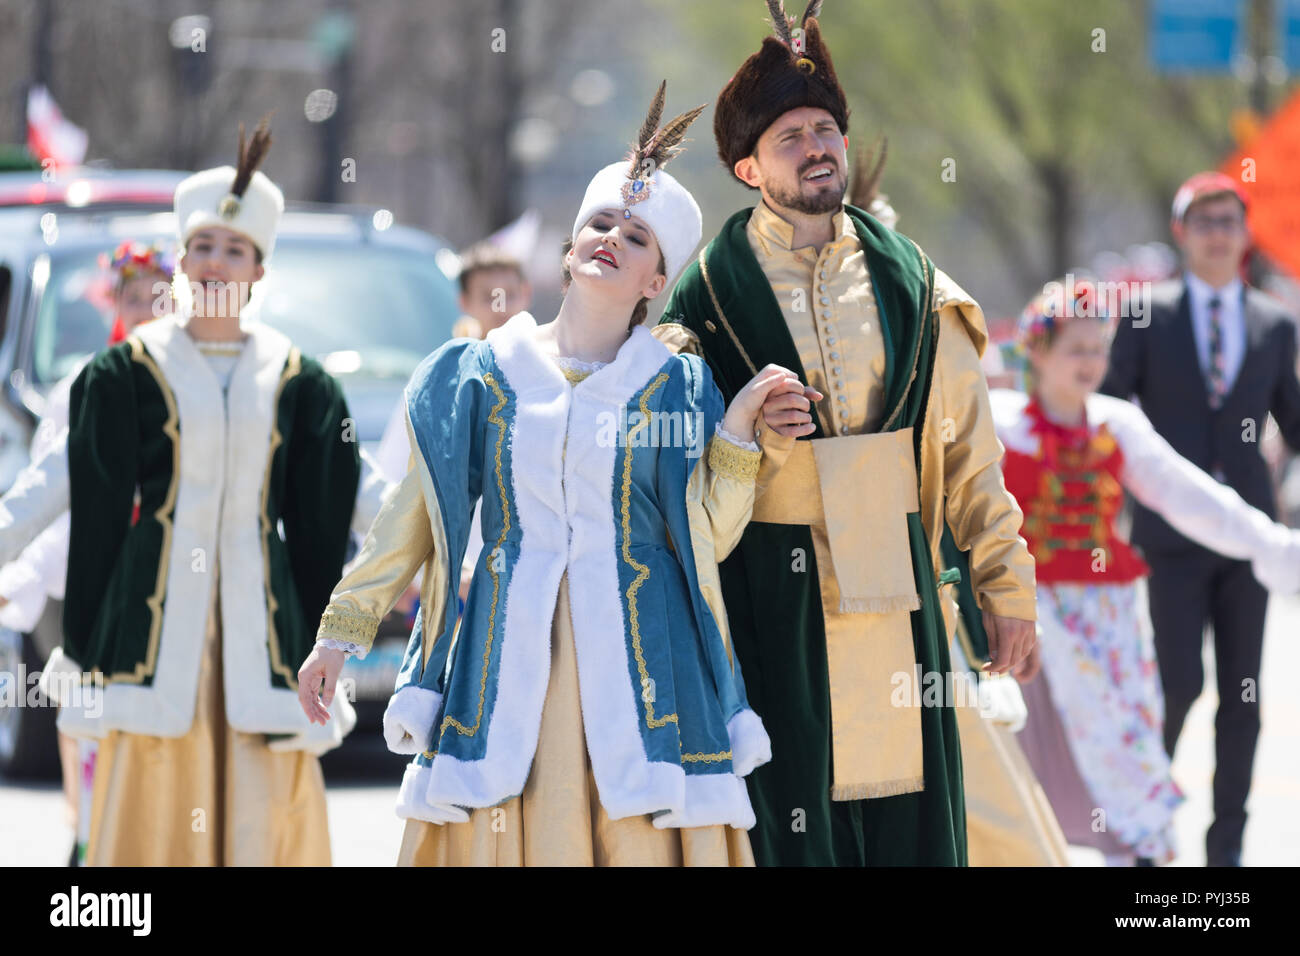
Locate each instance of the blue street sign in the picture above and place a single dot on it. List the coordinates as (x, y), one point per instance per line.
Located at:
(1195, 36)
(1288, 32)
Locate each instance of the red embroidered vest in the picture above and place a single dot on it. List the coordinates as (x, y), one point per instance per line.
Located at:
(1070, 493)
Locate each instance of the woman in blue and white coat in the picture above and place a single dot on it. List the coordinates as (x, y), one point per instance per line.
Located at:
(590, 709)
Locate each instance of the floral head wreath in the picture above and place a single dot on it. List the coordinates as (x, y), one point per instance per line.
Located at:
(1059, 303)
(132, 259)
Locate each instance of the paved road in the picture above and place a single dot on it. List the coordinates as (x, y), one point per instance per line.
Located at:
(364, 831)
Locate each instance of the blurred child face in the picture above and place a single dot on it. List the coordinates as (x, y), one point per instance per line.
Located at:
(616, 259)
(1073, 366)
(143, 298)
(221, 262)
(493, 295)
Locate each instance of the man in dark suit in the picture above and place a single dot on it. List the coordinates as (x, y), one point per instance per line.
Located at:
(1208, 359)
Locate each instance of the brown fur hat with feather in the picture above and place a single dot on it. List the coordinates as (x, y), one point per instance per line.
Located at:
(790, 70)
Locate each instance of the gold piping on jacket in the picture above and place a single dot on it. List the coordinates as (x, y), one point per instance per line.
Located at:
(495, 418)
(292, 368)
(170, 428)
(722, 317)
(642, 571)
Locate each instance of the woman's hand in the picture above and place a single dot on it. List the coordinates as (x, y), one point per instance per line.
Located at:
(778, 394)
(323, 664)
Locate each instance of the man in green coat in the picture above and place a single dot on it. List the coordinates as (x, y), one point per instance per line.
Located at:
(834, 593)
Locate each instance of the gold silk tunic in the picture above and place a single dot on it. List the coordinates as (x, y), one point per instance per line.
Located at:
(829, 307)
(826, 299)
(836, 329)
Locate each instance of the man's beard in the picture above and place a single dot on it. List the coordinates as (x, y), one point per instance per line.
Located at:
(818, 205)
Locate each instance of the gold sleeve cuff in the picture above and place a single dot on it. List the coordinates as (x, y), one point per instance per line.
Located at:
(732, 461)
(341, 624)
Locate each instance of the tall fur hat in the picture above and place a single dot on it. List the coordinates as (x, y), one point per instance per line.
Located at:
(235, 197)
(790, 70)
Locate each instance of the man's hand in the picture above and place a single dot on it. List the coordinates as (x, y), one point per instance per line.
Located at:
(1011, 640)
(787, 410)
(1028, 669)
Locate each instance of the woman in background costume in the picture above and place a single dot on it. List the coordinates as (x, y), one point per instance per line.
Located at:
(1095, 712)
(181, 629)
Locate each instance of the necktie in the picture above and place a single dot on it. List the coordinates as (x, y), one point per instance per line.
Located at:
(1217, 372)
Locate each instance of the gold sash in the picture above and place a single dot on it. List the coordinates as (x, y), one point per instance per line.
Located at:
(855, 492)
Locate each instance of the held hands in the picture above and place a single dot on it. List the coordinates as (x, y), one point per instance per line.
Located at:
(783, 400)
(323, 664)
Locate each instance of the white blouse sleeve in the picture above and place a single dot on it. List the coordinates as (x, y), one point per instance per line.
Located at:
(1195, 505)
(38, 496)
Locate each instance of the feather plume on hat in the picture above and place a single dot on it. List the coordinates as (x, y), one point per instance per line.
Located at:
(865, 184)
(654, 147)
(240, 197)
(640, 181)
(791, 69)
(248, 159)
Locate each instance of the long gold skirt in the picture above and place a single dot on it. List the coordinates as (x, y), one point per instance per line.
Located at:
(558, 819)
(1009, 821)
(214, 797)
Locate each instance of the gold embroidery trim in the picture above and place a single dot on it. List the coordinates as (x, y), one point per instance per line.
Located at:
(495, 418)
(642, 571)
(344, 624)
(706, 758)
(292, 367)
(717, 307)
(733, 461)
(171, 429)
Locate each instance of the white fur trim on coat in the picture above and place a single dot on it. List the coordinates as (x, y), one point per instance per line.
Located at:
(412, 799)
(320, 739)
(711, 799)
(408, 719)
(220, 478)
(750, 746)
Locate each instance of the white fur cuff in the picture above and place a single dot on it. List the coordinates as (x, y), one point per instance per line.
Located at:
(320, 739)
(710, 799)
(413, 802)
(750, 746)
(61, 676)
(408, 720)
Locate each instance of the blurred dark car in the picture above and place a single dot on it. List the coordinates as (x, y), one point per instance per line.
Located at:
(360, 294)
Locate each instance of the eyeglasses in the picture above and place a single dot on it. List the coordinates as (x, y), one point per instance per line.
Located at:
(1205, 224)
